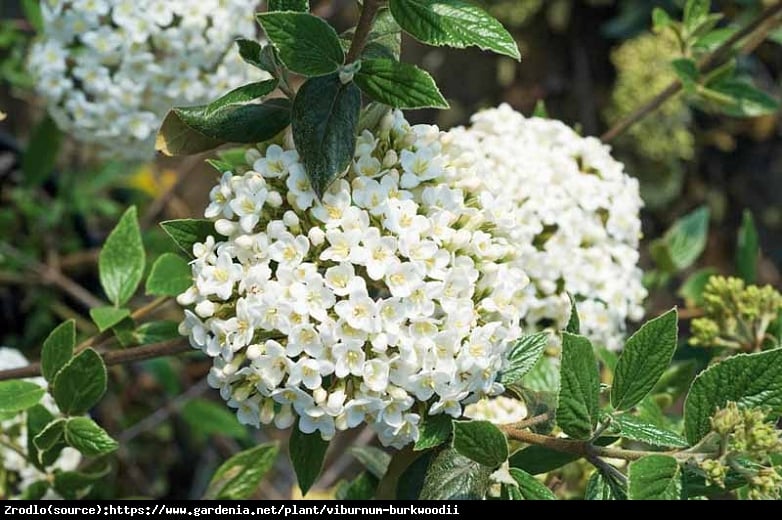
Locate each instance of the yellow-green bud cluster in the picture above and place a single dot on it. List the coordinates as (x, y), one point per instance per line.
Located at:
(736, 315)
(643, 67)
(749, 440)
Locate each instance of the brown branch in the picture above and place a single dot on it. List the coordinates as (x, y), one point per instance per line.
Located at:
(363, 28)
(585, 449)
(705, 64)
(117, 357)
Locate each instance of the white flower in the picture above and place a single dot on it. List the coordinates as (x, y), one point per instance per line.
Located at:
(220, 278)
(134, 60)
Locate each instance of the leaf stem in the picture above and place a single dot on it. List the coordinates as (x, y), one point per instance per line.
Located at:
(705, 64)
(363, 28)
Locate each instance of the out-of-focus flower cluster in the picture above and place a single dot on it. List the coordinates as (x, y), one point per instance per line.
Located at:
(111, 69)
(643, 67)
(737, 316)
(395, 297)
(18, 473)
(750, 442)
(574, 219)
(497, 410)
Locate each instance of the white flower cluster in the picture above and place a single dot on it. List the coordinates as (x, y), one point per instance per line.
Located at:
(111, 69)
(574, 216)
(16, 472)
(497, 410)
(394, 298)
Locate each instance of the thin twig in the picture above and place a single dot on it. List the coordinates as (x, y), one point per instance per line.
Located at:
(52, 276)
(161, 201)
(532, 421)
(705, 64)
(117, 357)
(163, 413)
(363, 28)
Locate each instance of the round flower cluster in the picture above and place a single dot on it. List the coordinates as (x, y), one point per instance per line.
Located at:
(16, 472)
(111, 69)
(574, 217)
(395, 297)
(498, 410)
(643, 66)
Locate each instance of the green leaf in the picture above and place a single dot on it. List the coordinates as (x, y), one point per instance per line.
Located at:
(324, 120)
(399, 85)
(374, 459)
(660, 19)
(86, 436)
(455, 23)
(574, 322)
(40, 156)
(191, 130)
(434, 430)
(577, 411)
(522, 356)
(80, 384)
(58, 349)
(737, 98)
(646, 355)
(683, 243)
(35, 491)
(655, 477)
(17, 395)
(692, 288)
(604, 486)
(687, 72)
(530, 487)
(540, 111)
(362, 487)
(750, 380)
(411, 480)
(480, 441)
(156, 331)
(251, 52)
(307, 44)
(32, 11)
(38, 418)
(75, 485)
(713, 39)
(307, 452)
(106, 317)
(239, 477)
(186, 232)
(385, 34)
(544, 376)
(50, 436)
(208, 418)
(121, 260)
(635, 429)
(747, 249)
(695, 13)
(451, 476)
(302, 6)
(170, 276)
(537, 459)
